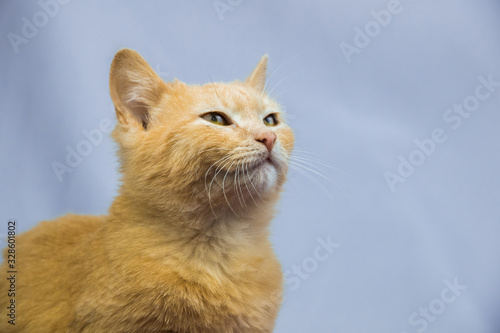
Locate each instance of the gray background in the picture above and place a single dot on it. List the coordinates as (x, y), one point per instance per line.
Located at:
(396, 247)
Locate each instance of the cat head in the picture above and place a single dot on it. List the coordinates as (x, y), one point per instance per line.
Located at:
(218, 146)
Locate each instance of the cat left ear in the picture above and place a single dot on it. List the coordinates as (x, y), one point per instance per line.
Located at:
(135, 89)
(257, 79)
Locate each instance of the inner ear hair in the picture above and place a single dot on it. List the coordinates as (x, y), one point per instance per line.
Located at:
(140, 112)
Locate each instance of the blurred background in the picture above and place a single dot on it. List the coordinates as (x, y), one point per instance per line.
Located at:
(392, 224)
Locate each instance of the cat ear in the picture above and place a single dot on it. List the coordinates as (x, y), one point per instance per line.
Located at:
(135, 88)
(258, 77)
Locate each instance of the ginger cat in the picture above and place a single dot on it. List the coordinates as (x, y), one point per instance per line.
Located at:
(185, 247)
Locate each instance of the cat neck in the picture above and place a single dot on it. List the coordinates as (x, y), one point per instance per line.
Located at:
(195, 218)
(197, 236)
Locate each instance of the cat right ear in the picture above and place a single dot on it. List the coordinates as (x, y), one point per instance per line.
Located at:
(257, 79)
(135, 89)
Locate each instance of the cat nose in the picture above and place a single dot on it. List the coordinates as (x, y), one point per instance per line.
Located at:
(268, 139)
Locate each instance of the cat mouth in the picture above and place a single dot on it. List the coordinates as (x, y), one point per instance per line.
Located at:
(265, 162)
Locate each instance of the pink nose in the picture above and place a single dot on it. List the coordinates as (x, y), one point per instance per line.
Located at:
(268, 139)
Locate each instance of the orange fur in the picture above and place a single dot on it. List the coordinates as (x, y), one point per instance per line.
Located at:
(185, 245)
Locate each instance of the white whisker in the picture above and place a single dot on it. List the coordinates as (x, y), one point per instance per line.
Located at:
(239, 184)
(280, 82)
(246, 185)
(250, 179)
(276, 70)
(217, 171)
(310, 161)
(224, 189)
(314, 180)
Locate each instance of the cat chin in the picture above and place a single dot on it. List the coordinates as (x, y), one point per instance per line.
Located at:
(265, 176)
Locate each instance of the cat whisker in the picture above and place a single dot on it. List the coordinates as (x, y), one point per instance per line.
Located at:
(250, 179)
(314, 180)
(310, 160)
(245, 176)
(224, 189)
(217, 171)
(221, 159)
(235, 162)
(213, 85)
(281, 93)
(235, 150)
(236, 185)
(311, 156)
(234, 182)
(239, 184)
(217, 162)
(315, 172)
(219, 168)
(277, 69)
(309, 172)
(280, 82)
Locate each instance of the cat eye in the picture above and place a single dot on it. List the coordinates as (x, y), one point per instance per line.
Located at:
(271, 120)
(216, 118)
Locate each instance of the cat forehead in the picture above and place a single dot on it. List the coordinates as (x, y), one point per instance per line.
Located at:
(236, 98)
